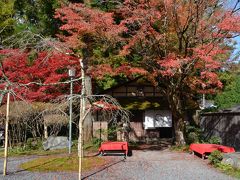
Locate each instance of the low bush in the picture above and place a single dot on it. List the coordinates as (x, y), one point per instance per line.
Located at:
(96, 142)
(215, 157)
(224, 167)
(133, 144)
(92, 145)
(193, 134)
(214, 140)
(33, 144)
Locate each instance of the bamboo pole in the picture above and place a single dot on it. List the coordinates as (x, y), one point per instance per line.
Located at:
(82, 112)
(70, 117)
(45, 127)
(80, 151)
(83, 115)
(80, 142)
(6, 137)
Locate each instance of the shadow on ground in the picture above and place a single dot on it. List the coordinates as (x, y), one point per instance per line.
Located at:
(103, 168)
(153, 146)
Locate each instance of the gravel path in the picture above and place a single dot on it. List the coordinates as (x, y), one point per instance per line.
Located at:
(143, 165)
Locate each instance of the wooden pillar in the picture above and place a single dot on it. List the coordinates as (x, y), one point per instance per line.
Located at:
(6, 137)
(45, 130)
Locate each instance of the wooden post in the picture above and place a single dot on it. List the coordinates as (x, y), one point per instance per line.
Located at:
(82, 112)
(203, 101)
(80, 150)
(6, 137)
(45, 130)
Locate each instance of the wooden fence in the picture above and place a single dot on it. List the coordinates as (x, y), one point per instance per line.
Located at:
(225, 125)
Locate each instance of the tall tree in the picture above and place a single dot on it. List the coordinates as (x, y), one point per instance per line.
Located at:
(37, 16)
(230, 96)
(7, 20)
(177, 41)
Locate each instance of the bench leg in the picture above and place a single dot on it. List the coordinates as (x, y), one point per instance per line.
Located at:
(192, 153)
(100, 153)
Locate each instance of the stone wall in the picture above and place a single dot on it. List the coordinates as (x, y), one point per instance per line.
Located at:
(223, 125)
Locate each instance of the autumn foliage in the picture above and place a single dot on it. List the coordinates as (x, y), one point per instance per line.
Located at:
(21, 69)
(81, 20)
(176, 38)
(181, 44)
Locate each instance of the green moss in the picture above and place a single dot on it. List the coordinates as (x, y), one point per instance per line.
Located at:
(142, 104)
(20, 151)
(228, 169)
(215, 159)
(57, 163)
(183, 148)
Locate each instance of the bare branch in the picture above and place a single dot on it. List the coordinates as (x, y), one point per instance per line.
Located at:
(27, 40)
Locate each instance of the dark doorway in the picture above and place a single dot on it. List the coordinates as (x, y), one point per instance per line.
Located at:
(166, 132)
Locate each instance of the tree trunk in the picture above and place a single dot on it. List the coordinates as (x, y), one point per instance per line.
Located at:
(88, 122)
(87, 53)
(179, 129)
(176, 106)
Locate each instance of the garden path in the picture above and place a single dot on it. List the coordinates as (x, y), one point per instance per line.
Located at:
(142, 165)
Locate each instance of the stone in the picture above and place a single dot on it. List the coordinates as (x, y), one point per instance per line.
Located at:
(229, 161)
(232, 159)
(58, 142)
(237, 165)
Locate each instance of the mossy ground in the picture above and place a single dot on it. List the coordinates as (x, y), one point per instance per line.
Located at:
(183, 148)
(228, 169)
(63, 163)
(22, 151)
(16, 152)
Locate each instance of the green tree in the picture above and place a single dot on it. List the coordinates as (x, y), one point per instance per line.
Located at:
(105, 5)
(230, 95)
(7, 21)
(36, 16)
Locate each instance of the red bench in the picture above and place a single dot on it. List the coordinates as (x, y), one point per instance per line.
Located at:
(114, 146)
(204, 149)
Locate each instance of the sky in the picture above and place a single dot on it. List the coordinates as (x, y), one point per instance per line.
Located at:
(237, 49)
(230, 4)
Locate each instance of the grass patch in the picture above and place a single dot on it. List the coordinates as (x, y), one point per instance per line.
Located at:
(15, 152)
(60, 163)
(184, 148)
(23, 151)
(215, 159)
(228, 169)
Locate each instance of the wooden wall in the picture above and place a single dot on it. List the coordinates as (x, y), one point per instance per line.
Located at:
(223, 125)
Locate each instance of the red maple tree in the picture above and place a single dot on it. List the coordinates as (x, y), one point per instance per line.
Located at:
(22, 70)
(181, 43)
